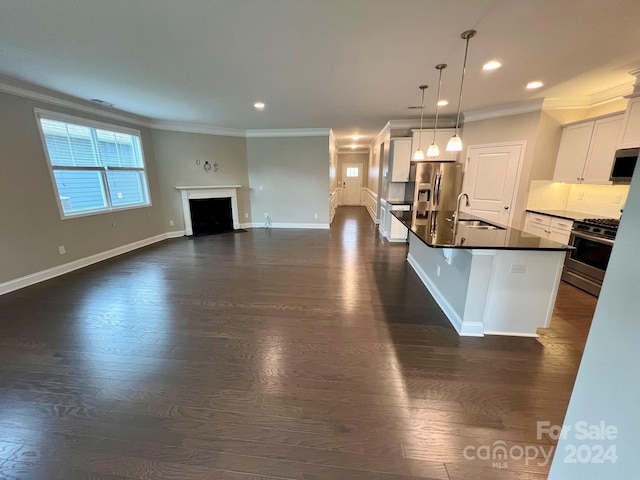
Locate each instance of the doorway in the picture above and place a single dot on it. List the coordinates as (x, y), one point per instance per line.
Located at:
(491, 177)
(351, 183)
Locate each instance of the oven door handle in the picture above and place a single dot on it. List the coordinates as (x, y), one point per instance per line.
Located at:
(593, 238)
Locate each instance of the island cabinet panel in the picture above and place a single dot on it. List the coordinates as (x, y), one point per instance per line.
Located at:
(587, 150)
(630, 130)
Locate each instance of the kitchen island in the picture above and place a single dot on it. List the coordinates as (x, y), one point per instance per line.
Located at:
(488, 280)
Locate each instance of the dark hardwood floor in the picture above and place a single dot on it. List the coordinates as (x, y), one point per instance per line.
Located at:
(287, 354)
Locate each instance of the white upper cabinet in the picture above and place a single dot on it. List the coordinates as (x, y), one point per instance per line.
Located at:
(399, 159)
(630, 131)
(587, 150)
(442, 138)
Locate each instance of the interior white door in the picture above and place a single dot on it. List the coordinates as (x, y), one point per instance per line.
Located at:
(351, 183)
(490, 180)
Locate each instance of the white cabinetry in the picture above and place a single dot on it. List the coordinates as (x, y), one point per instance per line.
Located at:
(587, 150)
(545, 226)
(399, 159)
(442, 138)
(397, 231)
(630, 131)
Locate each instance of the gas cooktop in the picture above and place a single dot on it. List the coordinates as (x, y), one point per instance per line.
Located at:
(602, 227)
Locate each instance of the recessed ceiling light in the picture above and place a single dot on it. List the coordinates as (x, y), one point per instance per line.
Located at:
(356, 138)
(534, 85)
(443, 103)
(353, 147)
(259, 105)
(492, 65)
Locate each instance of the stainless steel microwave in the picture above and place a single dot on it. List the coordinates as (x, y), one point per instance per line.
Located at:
(623, 165)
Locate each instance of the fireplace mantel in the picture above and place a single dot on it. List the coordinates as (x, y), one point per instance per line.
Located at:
(208, 191)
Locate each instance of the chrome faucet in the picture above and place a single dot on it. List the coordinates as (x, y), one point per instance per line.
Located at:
(456, 213)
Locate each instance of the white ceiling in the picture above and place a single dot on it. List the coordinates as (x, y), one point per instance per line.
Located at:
(349, 65)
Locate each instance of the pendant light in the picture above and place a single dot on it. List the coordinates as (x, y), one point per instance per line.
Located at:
(455, 142)
(419, 154)
(433, 150)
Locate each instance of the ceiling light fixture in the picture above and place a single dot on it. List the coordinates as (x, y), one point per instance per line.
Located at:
(534, 85)
(455, 142)
(492, 65)
(353, 147)
(433, 150)
(259, 105)
(356, 138)
(419, 154)
(443, 103)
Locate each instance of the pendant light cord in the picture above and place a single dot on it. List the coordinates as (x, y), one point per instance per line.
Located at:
(465, 35)
(440, 67)
(422, 87)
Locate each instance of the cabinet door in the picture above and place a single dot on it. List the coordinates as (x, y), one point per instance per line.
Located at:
(630, 131)
(535, 222)
(400, 159)
(538, 230)
(559, 236)
(602, 149)
(572, 155)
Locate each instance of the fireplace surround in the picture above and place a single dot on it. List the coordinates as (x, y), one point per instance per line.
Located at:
(209, 191)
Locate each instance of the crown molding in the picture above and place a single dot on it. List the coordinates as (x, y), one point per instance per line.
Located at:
(187, 127)
(503, 110)
(21, 89)
(288, 132)
(588, 101)
(357, 151)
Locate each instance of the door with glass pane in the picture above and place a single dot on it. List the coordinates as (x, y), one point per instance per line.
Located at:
(351, 183)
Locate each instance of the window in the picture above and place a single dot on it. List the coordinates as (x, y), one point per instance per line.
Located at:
(94, 167)
(352, 171)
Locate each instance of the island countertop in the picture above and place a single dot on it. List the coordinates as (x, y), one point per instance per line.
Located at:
(436, 231)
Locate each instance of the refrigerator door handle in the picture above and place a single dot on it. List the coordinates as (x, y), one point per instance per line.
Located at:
(436, 189)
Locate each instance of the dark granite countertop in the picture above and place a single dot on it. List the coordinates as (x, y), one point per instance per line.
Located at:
(567, 214)
(436, 231)
(399, 202)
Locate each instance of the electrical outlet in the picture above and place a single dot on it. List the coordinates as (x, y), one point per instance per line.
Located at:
(315, 215)
(617, 199)
(62, 250)
(266, 215)
(171, 223)
(119, 194)
(113, 224)
(516, 268)
(246, 215)
(438, 270)
(261, 187)
(580, 195)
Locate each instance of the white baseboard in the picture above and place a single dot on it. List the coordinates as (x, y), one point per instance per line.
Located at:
(53, 272)
(455, 319)
(316, 226)
(176, 234)
(511, 334)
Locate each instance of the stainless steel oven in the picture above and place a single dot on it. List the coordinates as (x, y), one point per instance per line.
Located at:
(585, 266)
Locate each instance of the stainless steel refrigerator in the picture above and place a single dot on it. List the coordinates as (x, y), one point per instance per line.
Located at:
(435, 187)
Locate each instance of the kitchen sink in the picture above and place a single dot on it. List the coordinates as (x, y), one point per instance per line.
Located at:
(477, 224)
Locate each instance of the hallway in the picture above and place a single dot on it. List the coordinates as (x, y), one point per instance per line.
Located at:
(293, 354)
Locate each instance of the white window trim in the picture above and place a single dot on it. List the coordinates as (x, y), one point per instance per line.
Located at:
(39, 113)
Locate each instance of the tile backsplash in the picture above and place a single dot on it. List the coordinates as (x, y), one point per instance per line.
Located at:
(604, 200)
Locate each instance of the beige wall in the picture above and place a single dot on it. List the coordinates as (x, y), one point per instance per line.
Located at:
(31, 228)
(176, 155)
(294, 175)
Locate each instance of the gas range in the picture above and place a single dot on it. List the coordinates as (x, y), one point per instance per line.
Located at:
(598, 227)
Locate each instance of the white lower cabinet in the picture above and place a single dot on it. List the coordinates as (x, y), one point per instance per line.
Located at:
(546, 226)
